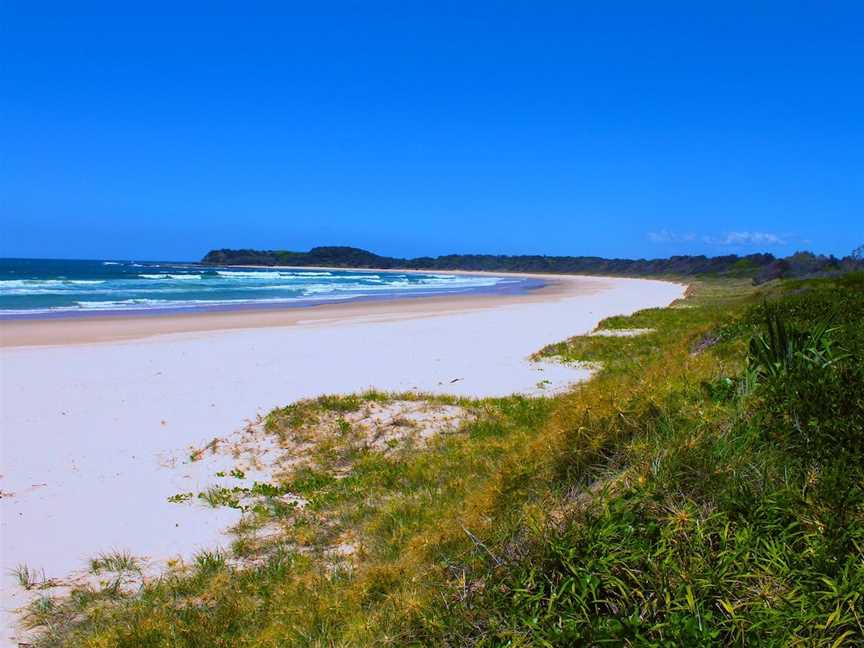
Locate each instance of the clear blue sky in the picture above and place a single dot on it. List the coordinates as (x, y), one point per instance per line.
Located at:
(409, 128)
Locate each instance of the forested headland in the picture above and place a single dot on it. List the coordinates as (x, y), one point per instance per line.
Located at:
(761, 267)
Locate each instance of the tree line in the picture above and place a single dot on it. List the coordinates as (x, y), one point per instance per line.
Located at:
(761, 267)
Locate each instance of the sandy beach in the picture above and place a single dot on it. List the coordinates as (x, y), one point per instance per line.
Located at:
(98, 415)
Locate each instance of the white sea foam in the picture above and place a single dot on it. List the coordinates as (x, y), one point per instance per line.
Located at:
(147, 304)
(20, 283)
(397, 286)
(252, 274)
(121, 303)
(44, 286)
(165, 287)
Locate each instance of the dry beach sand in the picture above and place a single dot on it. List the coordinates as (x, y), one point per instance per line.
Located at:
(98, 416)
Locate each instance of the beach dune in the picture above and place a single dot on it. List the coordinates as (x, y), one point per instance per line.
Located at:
(98, 416)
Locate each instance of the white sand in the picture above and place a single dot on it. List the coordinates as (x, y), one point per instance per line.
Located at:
(89, 430)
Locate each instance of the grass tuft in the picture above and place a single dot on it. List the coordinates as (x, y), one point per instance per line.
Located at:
(26, 577)
(118, 562)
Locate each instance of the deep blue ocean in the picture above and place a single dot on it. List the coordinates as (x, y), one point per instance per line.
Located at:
(57, 288)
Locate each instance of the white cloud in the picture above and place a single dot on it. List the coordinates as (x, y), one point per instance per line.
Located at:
(729, 239)
(747, 239)
(665, 236)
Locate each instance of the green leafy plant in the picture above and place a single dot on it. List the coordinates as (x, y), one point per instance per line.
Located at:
(782, 348)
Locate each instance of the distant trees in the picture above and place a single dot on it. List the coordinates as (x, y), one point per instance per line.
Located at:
(761, 267)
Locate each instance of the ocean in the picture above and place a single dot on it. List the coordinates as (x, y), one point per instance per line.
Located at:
(40, 288)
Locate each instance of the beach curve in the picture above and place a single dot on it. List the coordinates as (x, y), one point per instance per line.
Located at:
(97, 414)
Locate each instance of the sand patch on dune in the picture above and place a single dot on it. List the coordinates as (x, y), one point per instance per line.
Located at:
(632, 332)
(291, 438)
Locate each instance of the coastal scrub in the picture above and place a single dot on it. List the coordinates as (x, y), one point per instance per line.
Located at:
(704, 488)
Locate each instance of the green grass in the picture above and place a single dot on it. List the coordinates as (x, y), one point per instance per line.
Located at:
(209, 562)
(738, 519)
(697, 491)
(118, 562)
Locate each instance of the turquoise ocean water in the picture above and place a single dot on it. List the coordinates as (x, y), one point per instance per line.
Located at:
(40, 288)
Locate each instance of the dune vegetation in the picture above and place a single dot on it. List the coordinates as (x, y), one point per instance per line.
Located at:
(704, 488)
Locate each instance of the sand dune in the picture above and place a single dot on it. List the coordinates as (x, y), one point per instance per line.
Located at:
(96, 434)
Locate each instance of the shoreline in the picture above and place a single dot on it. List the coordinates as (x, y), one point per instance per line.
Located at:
(97, 431)
(115, 327)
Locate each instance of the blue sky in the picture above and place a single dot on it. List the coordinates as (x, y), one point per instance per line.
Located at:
(409, 128)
